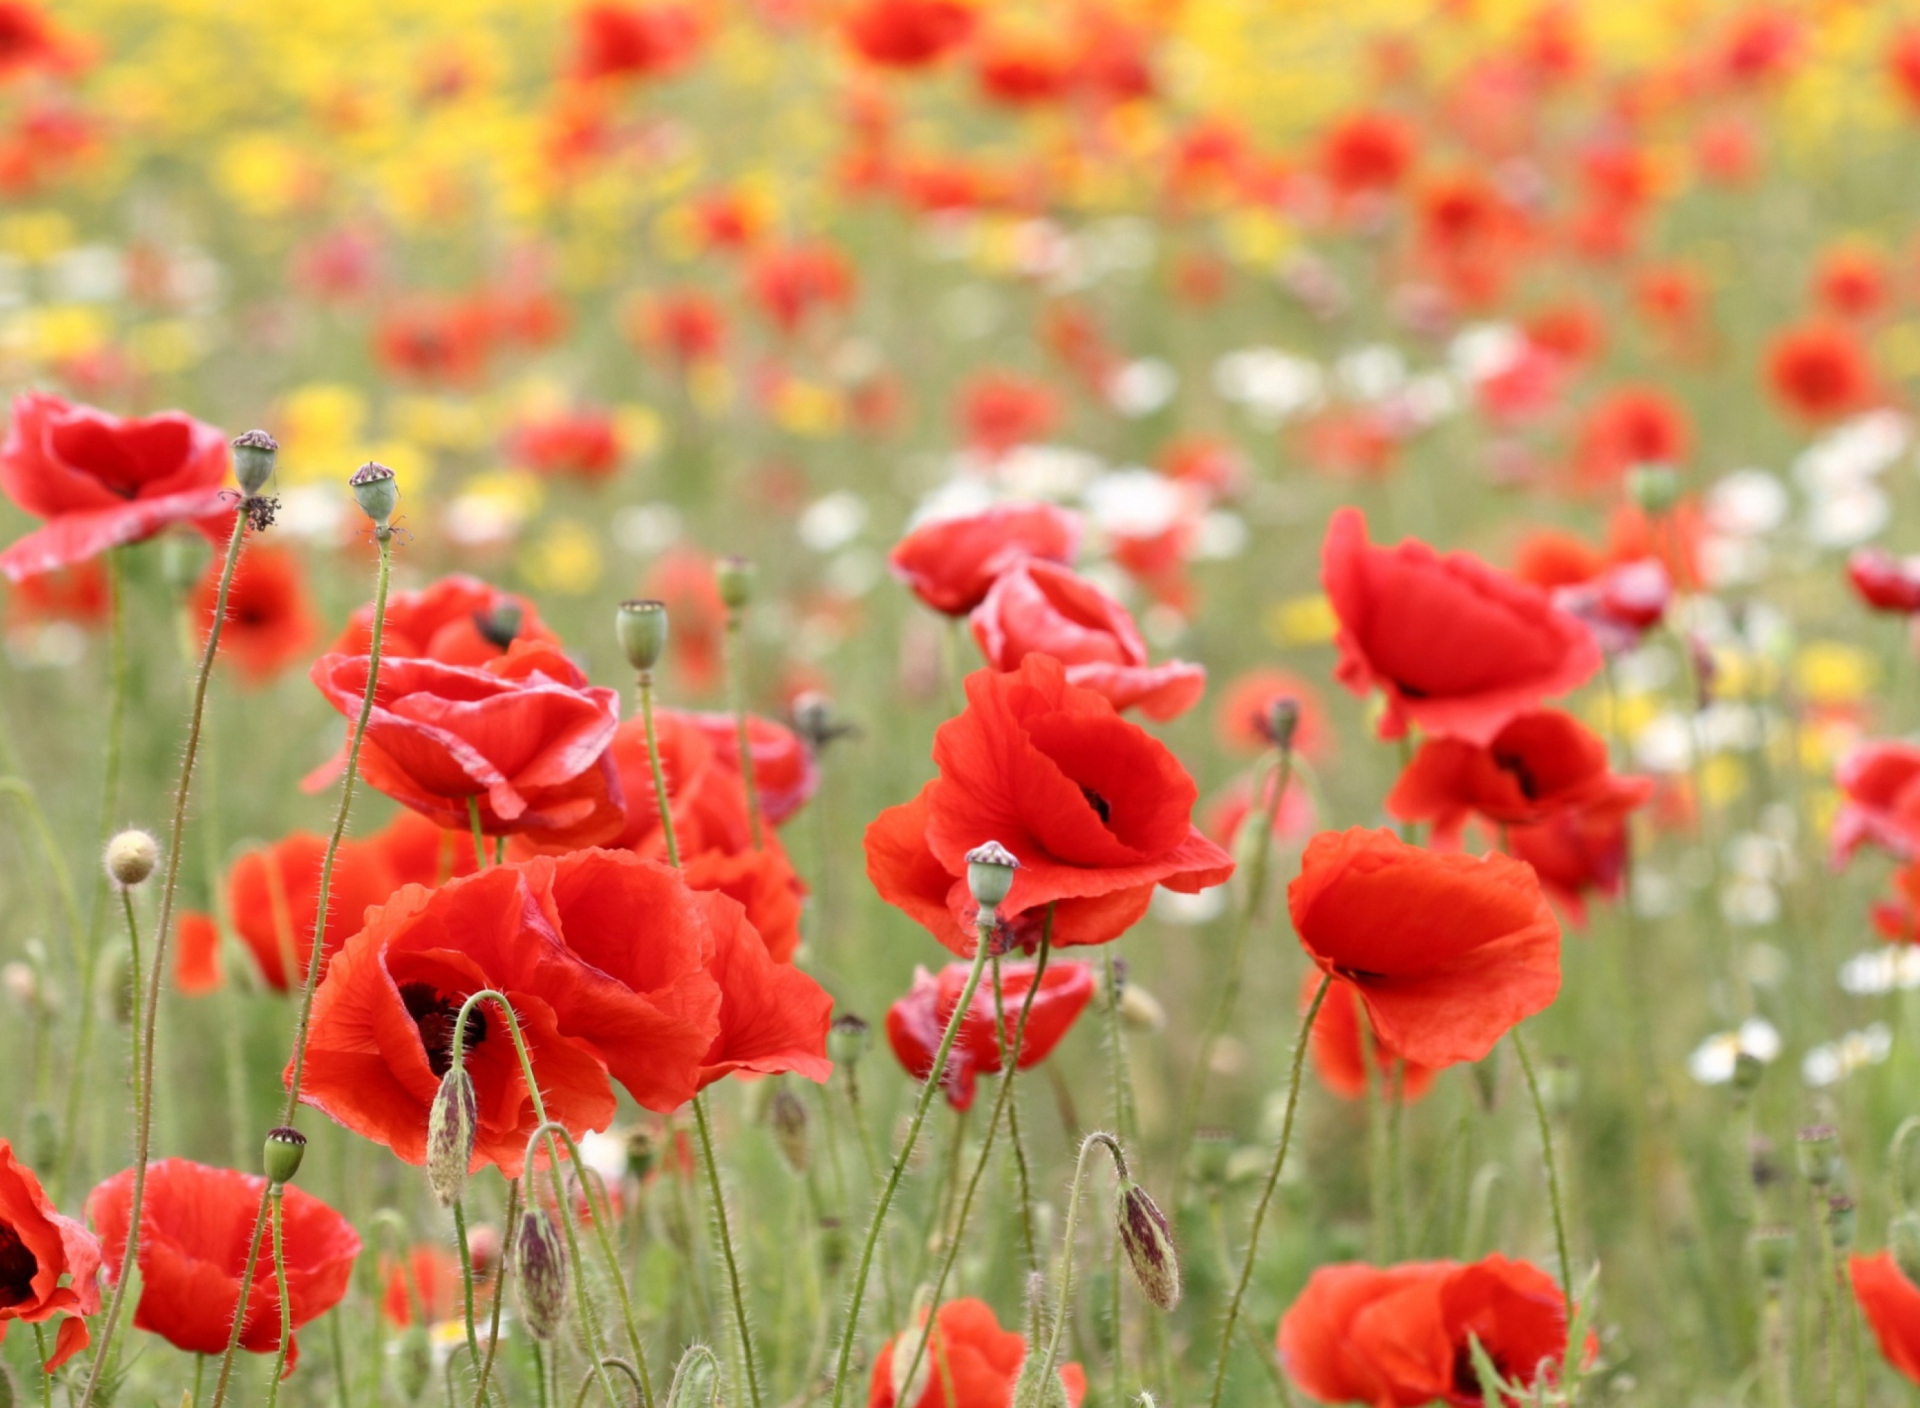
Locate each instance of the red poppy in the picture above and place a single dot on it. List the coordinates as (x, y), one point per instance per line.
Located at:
(1903, 66)
(580, 445)
(1400, 1336)
(683, 579)
(457, 620)
(1631, 427)
(730, 220)
(77, 594)
(604, 957)
(102, 480)
(38, 1250)
(634, 41)
(29, 40)
(1369, 151)
(1898, 919)
(1538, 766)
(1551, 559)
(1042, 608)
(969, 1362)
(998, 411)
(196, 1223)
(762, 882)
(1341, 1049)
(416, 852)
(1446, 952)
(1457, 646)
(1580, 851)
(1621, 604)
(907, 33)
(435, 338)
(793, 283)
(951, 563)
(773, 1018)
(784, 773)
(1880, 800)
(1819, 372)
(1241, 720)
(686, 326)
(425, 1288)
(270, 621)
(1023, 65)
(1853, 281)
(916, 1022)
(1891, 1304)
(196, 954)
(523, 739)
(273, 898)
(1573, 331)
(1097, 811)
(1885, 582)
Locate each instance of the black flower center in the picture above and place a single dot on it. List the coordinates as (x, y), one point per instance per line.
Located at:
(1522, 774)
(434, 1016)
(1466, 1379)
(1098, 803)
(17, 1269)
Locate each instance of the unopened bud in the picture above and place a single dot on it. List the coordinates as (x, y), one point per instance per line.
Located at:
(253, 455)
(450, 1131)
(280, 1157)
(415, 1369)
(643, 1153)
(540, 1270)
(1842, 1218)
(641, 627)
(1149, 1244)
(1772, 1252)
(376, 491)
(1818, 1147)
(500, 626)
(131, 857)
(1654, 487)
(848, 1039)
(1141, 1010)
(734, 577)
(1903, 1240)
(990, 874)
(787, 1114)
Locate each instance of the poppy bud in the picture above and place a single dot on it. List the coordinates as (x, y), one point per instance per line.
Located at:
(641, 627)
(483, 1250)
(1819, 1153)
(734, 577)
(1141, 1010)
(499, 626)
(1654, 487)
(253, 455)
(1772, 1252)
(450, 1132)
(1283, 719)
(1841, 1218)
(848, 1039)
(415, 1369)
(131, 857)
(376, 491)
(281, 1157)
(1903, 1240)
(643, 1152)
(990, 874)
(696, 1383)
(787, 1113)
(540, 1269)
(1149, 1244)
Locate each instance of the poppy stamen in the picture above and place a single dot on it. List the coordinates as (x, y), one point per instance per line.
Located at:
(18, 1267)
(1098, 803)
(434, 1016)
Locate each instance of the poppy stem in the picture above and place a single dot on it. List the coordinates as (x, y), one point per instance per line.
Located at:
(1009, 1060)
(143, 1121)
(1266, 1190)
(479, 837)
(982, 947)
(645, 685)
(1063, 1302)
(383, 536)
(277, 1192)
(133, 979)
(1553, 1184)
(466, 1277)
(724, 1234)
(737, 694)
(499, 1287)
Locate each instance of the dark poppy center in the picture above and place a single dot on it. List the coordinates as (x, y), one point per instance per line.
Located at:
(1516, 766)
(434, 1016)
(17, 1269)
(1466, 1379)
(1098, 803)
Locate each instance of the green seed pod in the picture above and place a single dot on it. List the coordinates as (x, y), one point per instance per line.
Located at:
(131, 857)
(1903, 1240)
(1842, 1220)
(734, 577)
(1654, 487)
(281, 1156)
(1818, 1148)
(253, 455)
(1148, 1241)
(787, 1114)
(377, 492)
(641, 627)
(990, 870)
(848, 1039)
(540, 1270)
(450, 1132)
(415, 1364)
(1772, 1252)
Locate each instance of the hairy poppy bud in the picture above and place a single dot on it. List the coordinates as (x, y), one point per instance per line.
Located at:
(1903, 1240)
(253, 455)
(642, 630)
(1141, 1010)
(450, 1131)
(1149, 1244)
(1841, 1217)
(376, 491)
(415, 1369)
(540, 1270)
(734, 577)
(848, 1039)
(281, 1157)
(787, 1113)
(1772, 1252)
(1818, 1146)
(131, 857)
(990, 874)
(696, 1382)
(1654, 487)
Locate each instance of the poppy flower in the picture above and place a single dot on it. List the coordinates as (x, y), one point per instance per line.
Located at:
(1401, 1335)
(423, 1287)
(1630, 427)
(1457, 646)
(273, 899)
(270, 623)
(634, 41)
(1023, 65)
(102, 480)
(28, 40)
(762, 882)
(917, 1022)
(1446, 952)
(1621, 604)
(523, 739)
(951, 563)
(1096, 809)
(604, 957)
(38, 1250)
(1879, 801)
(440, 338)
(1819, 372)
(1582, 850)
(77, 594)
(773, 1018)
(196, 954)
(196, 1223)
(1891, 1305)
(457, 620)
(1369, 151)
(1903, 66)
(1539, 765)
(784, 773)
(907, 33)
(1242, 720)
(1852, 281)
(686, 326)
(1042, 608)
(416, 852)
(793, 283)
(1341, 1049)
(969, 1362)
(1885, 582)
(998, 411)
(1898, 920)
(580, 445)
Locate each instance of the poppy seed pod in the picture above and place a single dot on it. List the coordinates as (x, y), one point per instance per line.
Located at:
(376, 491)
(1283, 721)
(990, 874)
(1903, 1240)
(848, 1039)
(1842, 1215)
(1654, 487)
(1818, 1147)
(1772, 1252)
(131, 857)
(641, 627)
(1149, 1245)
(734, 577)
(253, 455)
(540, 1269)
(450, 1133)
(281, 1156)
(787, 1114)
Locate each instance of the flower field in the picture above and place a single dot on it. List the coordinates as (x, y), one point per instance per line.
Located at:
(959, 703)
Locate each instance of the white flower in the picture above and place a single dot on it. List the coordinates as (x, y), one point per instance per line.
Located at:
(1713, 1061)
(646, 529)
(1273, 385)
(1143, 387)
(1372, 373)
(1747, 503)
(1135, 502)
(1835, 1060)
(1485, 349)
(1172, 907)
(832, 522)
(1879, 970)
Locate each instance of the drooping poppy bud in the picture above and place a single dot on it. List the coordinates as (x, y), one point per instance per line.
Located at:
(848, 1039)
(1772, 1252)
(540, 1268)
(450, 1133)
(1149, 1245)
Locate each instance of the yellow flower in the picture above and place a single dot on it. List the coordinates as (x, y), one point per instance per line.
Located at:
(1301, 620)
(565, 559)
(1832, 672)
